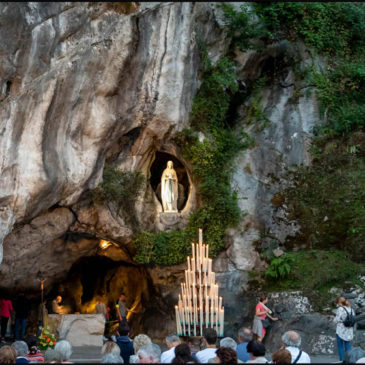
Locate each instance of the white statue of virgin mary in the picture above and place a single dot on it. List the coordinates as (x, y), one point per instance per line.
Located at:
(169, 189)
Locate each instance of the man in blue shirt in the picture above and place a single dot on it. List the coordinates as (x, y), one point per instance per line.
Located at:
(244, 337)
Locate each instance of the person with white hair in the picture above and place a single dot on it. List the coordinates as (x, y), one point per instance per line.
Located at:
(22, 350)
(244, 337)
(228, 342)
(65, 349)
(292, 342)
(52, 356)
(111, 358)
(172, 341)
(138, 342)
(110, 347)
(149, 354)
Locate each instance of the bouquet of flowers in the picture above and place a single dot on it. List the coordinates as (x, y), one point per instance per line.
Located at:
(47, 339)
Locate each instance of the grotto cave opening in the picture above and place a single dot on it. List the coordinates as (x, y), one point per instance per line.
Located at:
(93, 277)
(158, 166)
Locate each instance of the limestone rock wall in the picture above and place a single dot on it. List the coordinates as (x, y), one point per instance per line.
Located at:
(86, 83)
(75, 78)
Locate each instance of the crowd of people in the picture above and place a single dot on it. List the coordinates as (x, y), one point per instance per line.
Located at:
(120, 348)
(142, 350)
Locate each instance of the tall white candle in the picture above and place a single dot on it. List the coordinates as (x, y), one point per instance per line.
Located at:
(183, 320)
(216, 319)
(195, 309)
(211, 314)
(188, 321)
(200, 236)
(222, 331)
(201, 321)
(201, 256)
(188, 263)
(221, 321)
(177, 320)
(200, 276)
(207, 311)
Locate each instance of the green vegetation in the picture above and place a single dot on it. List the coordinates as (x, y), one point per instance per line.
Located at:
(121, 188)
(280, 267)
(255, 113)
(212, 162)
(336, 30)
(242, 28)
(341, 93)
(315, 272)
(328, 198)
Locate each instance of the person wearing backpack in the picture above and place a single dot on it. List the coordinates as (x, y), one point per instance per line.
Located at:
(345, 326)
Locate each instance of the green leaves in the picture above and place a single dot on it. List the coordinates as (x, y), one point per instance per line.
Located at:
(314, 272)
(328, 198)
(211, 104)
(119, 187)
(280, 267)
(212, 162)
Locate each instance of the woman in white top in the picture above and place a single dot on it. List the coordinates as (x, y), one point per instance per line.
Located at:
(343, 334)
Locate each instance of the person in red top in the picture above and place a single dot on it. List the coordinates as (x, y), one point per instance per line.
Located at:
(5, 310)
(261, 312)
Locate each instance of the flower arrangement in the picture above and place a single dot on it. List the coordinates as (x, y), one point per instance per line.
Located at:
(47, 339)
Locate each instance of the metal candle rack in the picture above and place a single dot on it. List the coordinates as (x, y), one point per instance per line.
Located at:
(199, 305)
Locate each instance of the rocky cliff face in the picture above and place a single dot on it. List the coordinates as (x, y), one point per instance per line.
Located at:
(86, 83)
(76, 79)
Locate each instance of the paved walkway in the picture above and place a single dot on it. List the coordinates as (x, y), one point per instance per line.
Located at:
(86, 354)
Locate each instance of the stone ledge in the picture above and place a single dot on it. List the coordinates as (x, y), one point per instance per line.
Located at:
(80, 329)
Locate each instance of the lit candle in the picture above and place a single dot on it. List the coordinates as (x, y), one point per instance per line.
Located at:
(183, 319)
(207, 311)
(201, 321)
(216, 319)
(222, 325)
(201, 255)
(197, 257)
(194, 319)
(211, 314)
(195, 310)
(178, 325)
(200, 236)
(221, 321)
(188, 321)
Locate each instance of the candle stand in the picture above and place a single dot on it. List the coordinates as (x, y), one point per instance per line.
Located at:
(199, 305)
